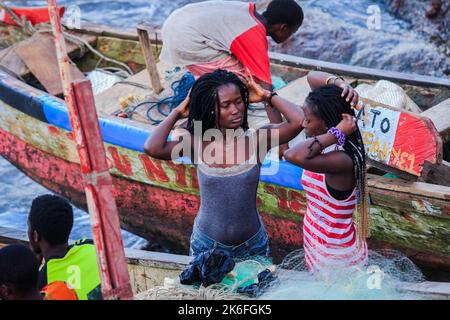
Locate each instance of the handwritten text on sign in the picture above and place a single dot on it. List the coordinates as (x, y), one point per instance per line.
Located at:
(378, 128)
(398, 139)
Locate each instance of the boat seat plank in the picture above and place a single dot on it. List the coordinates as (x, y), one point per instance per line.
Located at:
(296, 91)
(12, 62)
(439, 115)
(39, 54)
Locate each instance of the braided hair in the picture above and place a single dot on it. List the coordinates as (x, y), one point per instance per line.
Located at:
(204, 103)
(328, 104)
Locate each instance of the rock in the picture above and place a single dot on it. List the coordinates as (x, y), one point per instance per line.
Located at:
(434, 10)
(429, 17)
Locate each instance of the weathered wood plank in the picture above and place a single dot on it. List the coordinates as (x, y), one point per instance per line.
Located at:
(39, 55)
(358, 72)
(440, 115)
(11, 61)
(149, 60)
(436, 173)
(413, 188)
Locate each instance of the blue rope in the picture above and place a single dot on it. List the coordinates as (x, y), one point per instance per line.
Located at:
(180, 90)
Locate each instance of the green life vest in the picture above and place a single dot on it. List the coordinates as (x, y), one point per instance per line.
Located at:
(79, 269)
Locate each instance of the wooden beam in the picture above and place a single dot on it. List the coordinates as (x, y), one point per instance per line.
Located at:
(384, 167)
(105, 222)
(358, 72)
(439, 114)
(418, 189)
(149, 59)
(39, 55)
(436, 173)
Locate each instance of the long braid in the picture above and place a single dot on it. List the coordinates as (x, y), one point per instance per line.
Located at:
(204, 99)
(328, 104)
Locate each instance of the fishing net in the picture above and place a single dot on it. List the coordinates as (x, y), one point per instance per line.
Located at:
(181, 292)
(382, 279)
(244, 273)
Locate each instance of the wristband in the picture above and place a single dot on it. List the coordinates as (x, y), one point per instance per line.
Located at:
(269, 101)
(339, 135)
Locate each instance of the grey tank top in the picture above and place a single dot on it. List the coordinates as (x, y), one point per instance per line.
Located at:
(228, 211)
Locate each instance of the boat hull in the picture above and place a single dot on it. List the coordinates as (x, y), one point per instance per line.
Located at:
(166, 216)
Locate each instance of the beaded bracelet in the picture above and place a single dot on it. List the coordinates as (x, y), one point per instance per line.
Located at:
(338, 134)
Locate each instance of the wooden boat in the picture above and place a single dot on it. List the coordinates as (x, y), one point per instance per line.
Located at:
(158, 200)
(149, 269)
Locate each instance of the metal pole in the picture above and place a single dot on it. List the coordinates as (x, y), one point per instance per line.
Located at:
(98, 182)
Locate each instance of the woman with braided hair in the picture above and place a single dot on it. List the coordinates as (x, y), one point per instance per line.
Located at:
(333, 159)
(228, 157)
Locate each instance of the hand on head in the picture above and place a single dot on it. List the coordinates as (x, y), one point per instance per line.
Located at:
(348, 93)
(347, 124)
(256, 92)
(183, 107)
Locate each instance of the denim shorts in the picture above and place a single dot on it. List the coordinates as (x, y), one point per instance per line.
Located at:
(258, 244)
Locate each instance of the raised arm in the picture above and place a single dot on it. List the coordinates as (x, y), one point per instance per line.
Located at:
(286, 130)
(273, 114)
(308, 154)
(317, 79)
(157, 145)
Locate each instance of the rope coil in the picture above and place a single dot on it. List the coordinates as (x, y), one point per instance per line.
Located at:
(180, 90)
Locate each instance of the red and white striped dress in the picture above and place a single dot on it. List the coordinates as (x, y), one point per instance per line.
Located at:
(329, 234)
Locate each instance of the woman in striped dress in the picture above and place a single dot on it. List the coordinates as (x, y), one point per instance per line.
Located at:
(333, 160)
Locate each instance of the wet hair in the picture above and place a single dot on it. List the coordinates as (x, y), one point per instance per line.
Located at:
(52, 217)
(18, 267)
(284, 12)
(327, 103)
(204, 99)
